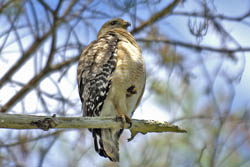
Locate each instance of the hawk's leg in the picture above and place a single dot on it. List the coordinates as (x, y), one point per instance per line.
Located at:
(125, 119)
(122, 116)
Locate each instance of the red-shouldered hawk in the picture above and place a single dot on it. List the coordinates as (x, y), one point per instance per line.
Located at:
(111, 80)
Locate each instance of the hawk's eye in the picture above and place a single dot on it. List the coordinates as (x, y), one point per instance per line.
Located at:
(113, 23)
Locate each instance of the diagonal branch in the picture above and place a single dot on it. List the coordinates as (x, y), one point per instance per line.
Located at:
(34, 81)
(157, 16)
(35, 45)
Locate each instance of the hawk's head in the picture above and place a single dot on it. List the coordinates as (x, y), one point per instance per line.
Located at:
(114, 23)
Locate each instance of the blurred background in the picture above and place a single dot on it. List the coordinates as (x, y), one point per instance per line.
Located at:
(198, 77)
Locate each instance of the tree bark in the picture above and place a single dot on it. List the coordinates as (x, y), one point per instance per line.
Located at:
(18, 121)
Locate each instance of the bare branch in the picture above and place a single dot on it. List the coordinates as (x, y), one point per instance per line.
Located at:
(34, 81)
(196, 47)
(157, 16)
(6, 5)
(56, 133)
(17, 121)
(27, 54)
(213, 16)
(35, 45)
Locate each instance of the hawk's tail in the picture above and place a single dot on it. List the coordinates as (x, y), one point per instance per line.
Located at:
(107, 142)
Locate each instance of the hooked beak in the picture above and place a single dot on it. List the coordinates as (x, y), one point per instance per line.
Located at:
(126, 24)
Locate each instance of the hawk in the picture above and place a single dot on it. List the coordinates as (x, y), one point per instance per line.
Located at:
(111, 81)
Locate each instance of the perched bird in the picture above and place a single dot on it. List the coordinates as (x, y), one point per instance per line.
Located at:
(111, 81)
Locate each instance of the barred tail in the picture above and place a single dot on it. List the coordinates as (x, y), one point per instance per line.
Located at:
(106, 142)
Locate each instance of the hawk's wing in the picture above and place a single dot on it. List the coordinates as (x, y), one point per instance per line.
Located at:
(96, 65)
(95, 68)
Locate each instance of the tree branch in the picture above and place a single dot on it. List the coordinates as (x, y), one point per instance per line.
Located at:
(17, 121)
(157, 16)
(34, 81)
(34, 46)
(211, 16)
(196, 47)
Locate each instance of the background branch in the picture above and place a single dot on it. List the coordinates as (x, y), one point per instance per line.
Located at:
(34, 81)
(157, 16)
(195, 46)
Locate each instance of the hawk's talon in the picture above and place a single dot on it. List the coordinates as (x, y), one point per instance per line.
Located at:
(125, 119)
